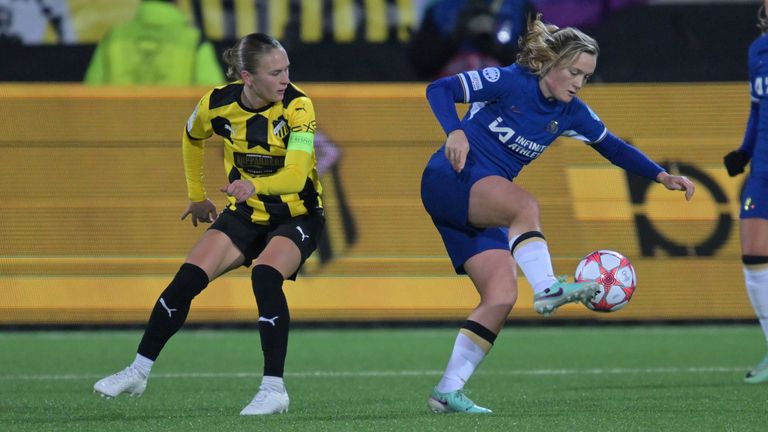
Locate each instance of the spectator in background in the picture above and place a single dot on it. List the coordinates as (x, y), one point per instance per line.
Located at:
(29, 22)
(157, 47)
(754, 196)
(459, 35)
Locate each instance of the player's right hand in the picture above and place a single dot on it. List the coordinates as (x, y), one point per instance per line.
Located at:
(202, 211)
(456, 149)
(735, 162)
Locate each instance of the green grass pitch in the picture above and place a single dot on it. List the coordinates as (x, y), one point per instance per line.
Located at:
(610, 378)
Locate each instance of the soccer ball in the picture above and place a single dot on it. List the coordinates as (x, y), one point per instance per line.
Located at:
(615, 275)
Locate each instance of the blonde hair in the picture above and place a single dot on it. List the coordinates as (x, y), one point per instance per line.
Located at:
(545, 46)
(245, 54)
(762, 19)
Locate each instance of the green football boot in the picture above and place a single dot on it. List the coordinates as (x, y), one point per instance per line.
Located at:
(562, 292)
(759, 373)
(455, 401)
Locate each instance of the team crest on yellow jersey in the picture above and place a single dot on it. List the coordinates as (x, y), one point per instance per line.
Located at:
(280, 127)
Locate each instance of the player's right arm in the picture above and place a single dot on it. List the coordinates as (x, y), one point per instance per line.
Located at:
(442, 96)
(466, 87)
(196, 131)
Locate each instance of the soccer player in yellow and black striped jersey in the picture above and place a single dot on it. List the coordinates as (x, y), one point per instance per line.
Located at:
(274, 213)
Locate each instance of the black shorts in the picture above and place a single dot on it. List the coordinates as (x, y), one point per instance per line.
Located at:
(251, 238)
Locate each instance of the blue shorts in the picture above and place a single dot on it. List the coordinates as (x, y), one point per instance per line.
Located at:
(754, 198)
(445, 195)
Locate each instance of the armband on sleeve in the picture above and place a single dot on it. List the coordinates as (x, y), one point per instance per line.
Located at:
(299, 161)
(302, 141)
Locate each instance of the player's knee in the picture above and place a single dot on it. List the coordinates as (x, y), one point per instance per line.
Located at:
(265, 279)
(524, 208)
(510, 298)
(189, 281)
(529, 208)
(501, 298)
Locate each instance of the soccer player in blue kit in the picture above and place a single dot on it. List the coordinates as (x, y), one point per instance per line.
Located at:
(467, 187)
(754, 197)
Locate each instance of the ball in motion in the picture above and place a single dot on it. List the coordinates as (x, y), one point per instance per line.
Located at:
(615, 275)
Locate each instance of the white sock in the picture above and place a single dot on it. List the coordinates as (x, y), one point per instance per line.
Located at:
(142, 364)
(465, 358)
(273, 383)
(532, 255)
(757, 288)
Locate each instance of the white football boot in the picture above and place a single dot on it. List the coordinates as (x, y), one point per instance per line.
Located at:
(128, 380)
(267, 402)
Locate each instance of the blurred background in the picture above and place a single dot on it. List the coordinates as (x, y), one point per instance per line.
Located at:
(370, 40)
(92, 185)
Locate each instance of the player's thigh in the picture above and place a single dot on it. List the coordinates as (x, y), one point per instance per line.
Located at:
(215, 253)
(282, 254)
(494, 275)
(291, 243)
(754, 236)
(495, 201)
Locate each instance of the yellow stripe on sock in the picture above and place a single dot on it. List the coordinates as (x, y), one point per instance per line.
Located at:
(527, 241)
(477, 340)
(756, 267)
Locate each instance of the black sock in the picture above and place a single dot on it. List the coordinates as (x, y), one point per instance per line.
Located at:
(274, 319)
(171, 309)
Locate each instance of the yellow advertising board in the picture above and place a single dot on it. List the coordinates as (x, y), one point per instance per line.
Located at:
(92, 186)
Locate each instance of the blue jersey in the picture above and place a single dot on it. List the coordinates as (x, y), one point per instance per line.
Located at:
(756, 144)
(510, 122)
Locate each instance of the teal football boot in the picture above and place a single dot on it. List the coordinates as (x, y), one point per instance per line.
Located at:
(759, 373)
(562, 292)
(455, 401)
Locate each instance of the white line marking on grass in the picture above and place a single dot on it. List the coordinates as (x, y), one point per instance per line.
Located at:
(385, 374)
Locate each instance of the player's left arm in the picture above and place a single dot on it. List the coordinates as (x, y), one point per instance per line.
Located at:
(630, 158)
(299, 158)
(736, 160)
(588, 127)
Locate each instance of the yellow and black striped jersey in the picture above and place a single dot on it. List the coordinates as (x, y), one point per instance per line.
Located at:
(272, 147)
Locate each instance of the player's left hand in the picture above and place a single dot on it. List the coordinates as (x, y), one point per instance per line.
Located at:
(240, 190)
(675, 182)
